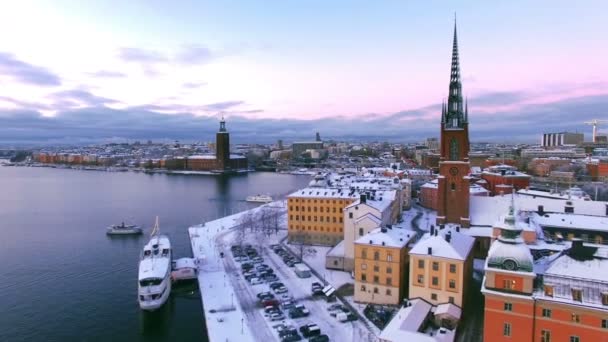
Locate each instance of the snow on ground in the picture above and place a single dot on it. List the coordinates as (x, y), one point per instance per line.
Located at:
(232, 312)
(317, 262)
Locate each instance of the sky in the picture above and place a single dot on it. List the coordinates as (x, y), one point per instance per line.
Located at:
(98, 71)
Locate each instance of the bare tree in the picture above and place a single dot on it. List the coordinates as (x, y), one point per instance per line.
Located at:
(302, 249)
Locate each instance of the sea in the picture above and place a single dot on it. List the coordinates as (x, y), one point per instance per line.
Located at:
(63, 279)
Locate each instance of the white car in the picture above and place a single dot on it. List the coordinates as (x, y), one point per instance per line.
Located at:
(277, 317)
(281, 289)
(255, 281)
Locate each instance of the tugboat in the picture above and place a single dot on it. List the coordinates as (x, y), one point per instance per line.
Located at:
(123, 229)
(259, 199)
(154, 280)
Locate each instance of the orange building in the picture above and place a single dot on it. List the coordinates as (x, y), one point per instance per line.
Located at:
(598, 170)
(568, 301)
(503, 178)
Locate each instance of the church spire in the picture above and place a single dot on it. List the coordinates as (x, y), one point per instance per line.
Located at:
(455, 116)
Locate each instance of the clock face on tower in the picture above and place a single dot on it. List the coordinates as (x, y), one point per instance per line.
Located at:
(454, 171)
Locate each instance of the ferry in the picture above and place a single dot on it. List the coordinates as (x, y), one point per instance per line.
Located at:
(154, 281)
(123, 229)
(259, 199)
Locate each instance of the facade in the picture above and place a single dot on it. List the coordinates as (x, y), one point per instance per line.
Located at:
(300, 147)
(454, 167)
(441, 266)
(315, 215)
(381, 261)
(562, 138)
(504, 179)
(598, 169)
(567, 300)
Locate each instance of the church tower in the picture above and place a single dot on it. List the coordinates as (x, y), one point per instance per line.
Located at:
(453, 190)
(222, 147)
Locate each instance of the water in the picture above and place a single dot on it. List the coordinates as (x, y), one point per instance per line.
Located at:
(63, 279)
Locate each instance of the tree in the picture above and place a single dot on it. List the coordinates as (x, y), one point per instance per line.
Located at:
(302, 249)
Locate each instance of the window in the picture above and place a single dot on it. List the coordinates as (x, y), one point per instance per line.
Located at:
(363, 277)
(291, 217)
(362, 287)
(341, 220)
(376, 290)
(334, 220)
(605, 323)
(389, 270)
(388, 292)
(435, 266)
(604, 298)
(576, 318)
(364, 253)
(451, 300)
(389, 257)
(508, 306)
(452, 268)
(548, 291)
(575, 339)
(321, 218)
(376, 268)
(508, 284)
(363, 266)
(547, 313)
(420, 279)
(577, 295)
(420, 263)
(453, 186)
(545, 336)
(376, 255)
(376, 279)
(389, 281)
(360, 231)
(506, 329)
(435, 281)
(433, 296)
(452, 283)
(350, 215)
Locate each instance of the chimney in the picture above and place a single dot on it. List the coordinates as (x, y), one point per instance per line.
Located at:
(363, 199)
(541, 210)
(448, 236)
(432, 230)
(503, 172)
(383, 229)
(436, 232)
(383, 243)
(442, 226)
(389, 226)
(430, 250)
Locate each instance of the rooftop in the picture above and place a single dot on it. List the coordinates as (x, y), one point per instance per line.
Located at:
(389, 237)
(459, 246)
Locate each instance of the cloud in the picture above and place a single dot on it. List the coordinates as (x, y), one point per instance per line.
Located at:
(194, 54)
(132, 54)
(193, 85)
(107, 74)
(26, 73)
(219, 106)
(66, 99)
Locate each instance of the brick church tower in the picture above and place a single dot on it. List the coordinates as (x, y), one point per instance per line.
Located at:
(222, 147)
(453, 191)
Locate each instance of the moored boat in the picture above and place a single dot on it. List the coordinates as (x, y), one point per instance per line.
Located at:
(123, 229)
(184, 269)
(259, 199)
(154, 283)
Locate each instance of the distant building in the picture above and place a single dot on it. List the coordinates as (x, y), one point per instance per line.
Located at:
(432, 143)
(504, 179)
(561, 139)
(299, 148)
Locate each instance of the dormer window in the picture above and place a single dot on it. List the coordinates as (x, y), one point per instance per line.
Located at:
(577, 295)
(548, 291)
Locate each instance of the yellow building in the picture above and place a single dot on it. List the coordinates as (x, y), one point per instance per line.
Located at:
(441, 266)
(381, 259)
(315, 215)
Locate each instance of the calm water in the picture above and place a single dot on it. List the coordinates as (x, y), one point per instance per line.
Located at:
(63, 279)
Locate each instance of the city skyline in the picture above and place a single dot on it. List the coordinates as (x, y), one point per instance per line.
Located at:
(114, 71)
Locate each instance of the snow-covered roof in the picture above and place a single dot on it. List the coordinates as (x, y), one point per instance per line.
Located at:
(203, 156)
(572, 221)
(390, 237)
(565, 266)
(155, 265)
(337, 250)
(369, 216)
(450, 309)
(407, 322)
(458, 248)
(324, 193)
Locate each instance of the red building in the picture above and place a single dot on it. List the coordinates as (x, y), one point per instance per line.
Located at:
(503, 179)
(454, 167)
(567, 300)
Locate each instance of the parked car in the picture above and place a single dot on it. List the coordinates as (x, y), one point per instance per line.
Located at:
(277, 317)
(288, 305)
(269, 302)
(292, 338)
(298, 313)
(276, 285)
(319, 338)
(257, 260)
(309, 330)
(335, 307)
(288, 331)
(255, 281)
(280, 290)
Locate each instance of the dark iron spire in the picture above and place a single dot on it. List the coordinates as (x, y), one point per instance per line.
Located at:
(455, 117)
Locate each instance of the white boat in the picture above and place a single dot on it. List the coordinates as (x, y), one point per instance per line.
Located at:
(123, 229)
(259, 198)
(184, 269)
(154, 283)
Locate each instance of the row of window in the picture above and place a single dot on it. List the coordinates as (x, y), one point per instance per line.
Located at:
(389, 256)
(376, 279)
(577, 294)
(545, 335)
(450, 299)
(314, 209)
(435, 281)
(435, 266)
(547, 313)
(333, 201)
(315, 228)
(376, 291)
(314, 218)
(377, 268)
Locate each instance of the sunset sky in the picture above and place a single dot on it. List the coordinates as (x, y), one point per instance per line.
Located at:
(88, 71)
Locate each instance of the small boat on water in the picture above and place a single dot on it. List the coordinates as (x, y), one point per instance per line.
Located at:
(123, 229)
(154, 283)
(183, 269)
(259, 199)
